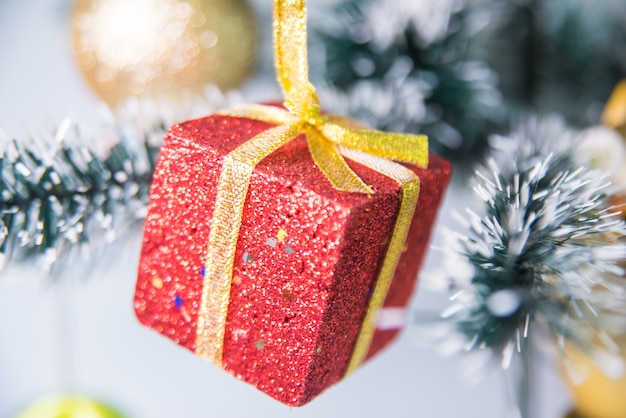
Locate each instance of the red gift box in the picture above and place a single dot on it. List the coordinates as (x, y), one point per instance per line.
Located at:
(307, 256)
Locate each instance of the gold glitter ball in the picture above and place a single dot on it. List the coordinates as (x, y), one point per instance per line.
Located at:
(163, 48)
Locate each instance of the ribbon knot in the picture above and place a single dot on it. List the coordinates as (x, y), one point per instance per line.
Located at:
(305, 105)
(330, 138)
(327, 136)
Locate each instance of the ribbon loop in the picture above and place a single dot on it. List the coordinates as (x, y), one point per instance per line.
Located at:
(331, 163)
(412, 149)
(305, 104)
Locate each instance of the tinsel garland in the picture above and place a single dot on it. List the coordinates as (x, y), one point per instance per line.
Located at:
(79, 189)
(409, 66)
(56, 193)
(544, 250)
(458, 70)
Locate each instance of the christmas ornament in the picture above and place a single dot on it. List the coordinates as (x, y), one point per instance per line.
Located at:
(598, 395)
(266, 252)
(614, 115)
(69, 406)
(604, 146)
(598, 392)
(162, 47)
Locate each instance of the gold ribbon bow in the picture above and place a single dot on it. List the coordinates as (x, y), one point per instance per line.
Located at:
(329, 140)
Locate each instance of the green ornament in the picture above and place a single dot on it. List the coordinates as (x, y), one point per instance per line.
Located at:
(68, 406)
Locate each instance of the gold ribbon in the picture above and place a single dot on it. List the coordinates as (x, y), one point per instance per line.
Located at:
(329, 139)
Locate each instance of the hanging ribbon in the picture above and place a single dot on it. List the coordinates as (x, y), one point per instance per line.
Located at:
(329, 139)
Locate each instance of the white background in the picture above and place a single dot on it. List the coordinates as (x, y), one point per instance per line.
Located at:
(77, 331)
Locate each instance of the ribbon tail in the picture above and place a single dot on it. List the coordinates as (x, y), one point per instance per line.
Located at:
(410, 192)
(412, 149)
(332, 164)
(226, 222)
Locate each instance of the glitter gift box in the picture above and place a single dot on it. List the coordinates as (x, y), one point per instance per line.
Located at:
(306, 262)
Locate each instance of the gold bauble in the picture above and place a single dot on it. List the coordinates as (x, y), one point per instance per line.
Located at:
(163, 48)
(599, 395)
(614, 115)
(68, 407)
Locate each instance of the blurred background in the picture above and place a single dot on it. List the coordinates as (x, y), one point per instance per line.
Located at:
(459, 71)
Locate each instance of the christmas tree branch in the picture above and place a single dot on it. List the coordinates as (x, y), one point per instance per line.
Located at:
(73, 190)
(546, 250)
(56, 193)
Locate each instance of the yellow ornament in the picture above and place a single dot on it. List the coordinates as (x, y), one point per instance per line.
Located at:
(614, 115)
(599, 396)
(68, 407)
(608, 148)
(162, 48)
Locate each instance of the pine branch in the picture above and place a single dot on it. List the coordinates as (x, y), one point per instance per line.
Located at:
(546, 250)
(56, 194)
(64, 192)
(410, 66)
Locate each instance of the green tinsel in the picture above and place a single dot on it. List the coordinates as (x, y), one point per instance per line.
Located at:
(72, 189)
(58, 191)
(411, 66)
(545, 251)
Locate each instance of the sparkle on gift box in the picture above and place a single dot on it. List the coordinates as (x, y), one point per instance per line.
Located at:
(271, 242)
(281, 235)
(178, 301)
(260, 344)
(247, 258)
(202, 270)
(288, 249)
(185, 314)
(157, 282)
